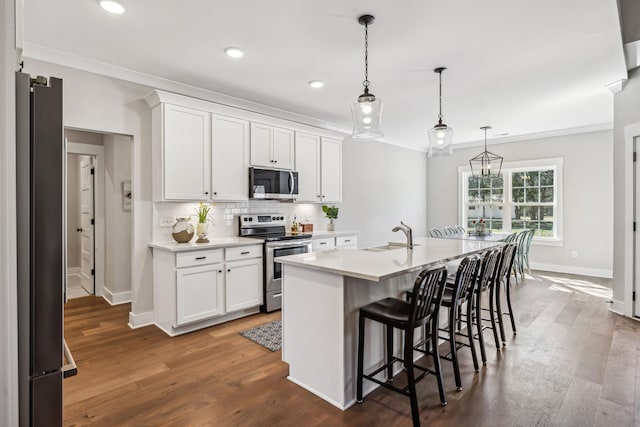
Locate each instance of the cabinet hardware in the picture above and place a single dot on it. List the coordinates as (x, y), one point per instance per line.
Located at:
(219, 271)
(215, 193)
(323, 243)
(275, 161)
(228, 270)
(245, 253)
(206, 192)
(79, 229)
(323, 196)
(347, 241)
(200, 257)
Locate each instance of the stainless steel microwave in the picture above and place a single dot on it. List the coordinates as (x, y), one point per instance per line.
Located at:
(272, 184)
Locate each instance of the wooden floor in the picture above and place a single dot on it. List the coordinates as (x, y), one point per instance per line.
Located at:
(572, 363)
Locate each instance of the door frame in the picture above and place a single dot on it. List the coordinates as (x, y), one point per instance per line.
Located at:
(99, 209)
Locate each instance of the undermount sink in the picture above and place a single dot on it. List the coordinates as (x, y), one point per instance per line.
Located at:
(388, 247)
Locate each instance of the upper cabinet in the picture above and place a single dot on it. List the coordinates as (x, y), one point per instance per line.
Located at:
(184, 148)
(229, 158)
(271, 147)
(319, 166)
(202, 151)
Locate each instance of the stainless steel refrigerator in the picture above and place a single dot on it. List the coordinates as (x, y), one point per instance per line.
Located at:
(40, 226)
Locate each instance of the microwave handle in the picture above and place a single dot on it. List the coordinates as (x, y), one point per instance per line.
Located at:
(291, 182)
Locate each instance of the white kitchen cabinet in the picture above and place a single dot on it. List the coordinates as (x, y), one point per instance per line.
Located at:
(229, 158)
(243, 284)
(347, 242)
(323, 244)
(197, 288)
(199, 293)
(271, 147)
(183, 136)
(319, 166)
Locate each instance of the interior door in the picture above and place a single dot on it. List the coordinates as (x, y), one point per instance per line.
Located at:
(87, 248)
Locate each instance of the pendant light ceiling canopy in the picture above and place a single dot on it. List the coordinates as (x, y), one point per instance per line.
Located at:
(441, 135)
(486, 164)
(366, 111)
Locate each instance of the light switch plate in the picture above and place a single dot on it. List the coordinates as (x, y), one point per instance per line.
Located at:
(167, 221)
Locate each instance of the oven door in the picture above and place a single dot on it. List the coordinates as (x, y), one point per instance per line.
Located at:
(273, 270)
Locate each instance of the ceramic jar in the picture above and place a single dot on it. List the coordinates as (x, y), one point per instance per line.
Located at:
(182, 231)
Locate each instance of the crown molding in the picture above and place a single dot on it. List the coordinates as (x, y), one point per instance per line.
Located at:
(537, 135)
(45, 54)
(616, 87)
(632, 54)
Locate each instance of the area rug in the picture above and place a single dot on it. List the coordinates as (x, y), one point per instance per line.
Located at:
(268, 335)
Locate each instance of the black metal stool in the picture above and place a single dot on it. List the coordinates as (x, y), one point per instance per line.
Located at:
(461, 292)
(406, 316)
(503, 277)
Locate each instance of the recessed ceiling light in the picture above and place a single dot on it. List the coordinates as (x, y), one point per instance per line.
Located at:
(316, 84)
(113, 6)
(234, 52)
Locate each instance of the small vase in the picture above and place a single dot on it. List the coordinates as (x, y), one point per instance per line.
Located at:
(331, 227)
(182, 231)
(202, 229)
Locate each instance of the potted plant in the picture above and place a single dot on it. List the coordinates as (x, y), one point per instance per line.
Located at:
(330, 212)
(202, 211)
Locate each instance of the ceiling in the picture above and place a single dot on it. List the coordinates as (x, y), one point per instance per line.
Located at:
(523, 67)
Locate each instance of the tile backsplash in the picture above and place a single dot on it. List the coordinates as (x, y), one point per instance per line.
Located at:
(224, 216)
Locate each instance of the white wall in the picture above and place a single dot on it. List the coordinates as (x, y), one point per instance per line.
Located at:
(587, 197)
(8, 298)
(73, 211)
(626, 111)
(117, 168)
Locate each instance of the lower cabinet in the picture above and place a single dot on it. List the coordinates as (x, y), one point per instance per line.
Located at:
(320, 244)
(244, 284)
(200, 288)
(199, 293)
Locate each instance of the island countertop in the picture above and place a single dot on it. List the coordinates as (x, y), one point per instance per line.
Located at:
(380, 265)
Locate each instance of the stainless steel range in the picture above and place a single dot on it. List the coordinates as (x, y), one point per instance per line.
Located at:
(272, 228)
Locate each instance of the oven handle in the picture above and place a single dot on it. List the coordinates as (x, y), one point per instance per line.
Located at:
(278, 295)
(289, 244)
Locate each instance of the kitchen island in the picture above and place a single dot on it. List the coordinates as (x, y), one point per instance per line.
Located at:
(322, 294)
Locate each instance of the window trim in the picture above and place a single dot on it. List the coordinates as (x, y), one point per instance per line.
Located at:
(518, 166)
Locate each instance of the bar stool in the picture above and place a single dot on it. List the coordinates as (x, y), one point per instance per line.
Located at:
(489, 269)
(461, 292)
(507, 257)
(395, 313)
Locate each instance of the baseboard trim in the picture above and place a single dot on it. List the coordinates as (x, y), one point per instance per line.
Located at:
(617, 307)
(321, 395)
(116, 298)
(73, 270)
(141, 319)
(582, 271)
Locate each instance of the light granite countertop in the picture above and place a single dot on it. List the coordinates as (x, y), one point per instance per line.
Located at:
(214, 243)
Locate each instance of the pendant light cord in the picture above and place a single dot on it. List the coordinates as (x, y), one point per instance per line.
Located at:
(440, 90)
(365, 83)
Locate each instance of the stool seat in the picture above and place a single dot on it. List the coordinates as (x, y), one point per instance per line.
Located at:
(389, 310)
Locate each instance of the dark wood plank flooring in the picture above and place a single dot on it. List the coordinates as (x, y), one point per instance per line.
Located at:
(572, 363)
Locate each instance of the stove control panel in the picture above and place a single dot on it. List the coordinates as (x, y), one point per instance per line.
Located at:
(258, 220)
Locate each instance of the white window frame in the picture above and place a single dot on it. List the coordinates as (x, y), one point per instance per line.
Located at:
(555, 163)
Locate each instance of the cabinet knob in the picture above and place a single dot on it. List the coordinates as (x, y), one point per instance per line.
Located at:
(275, 161)
(219, 271)
(215, 193)
(206, 192)
(228, 270)
(323, 196)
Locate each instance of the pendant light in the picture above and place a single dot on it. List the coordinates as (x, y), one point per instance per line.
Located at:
(366, 110)
(440, 135)
(486, 163)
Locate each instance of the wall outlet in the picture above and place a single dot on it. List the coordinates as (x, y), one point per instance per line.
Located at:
(167, 221)
(574, 254)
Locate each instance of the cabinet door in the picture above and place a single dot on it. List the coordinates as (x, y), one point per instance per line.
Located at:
(331, 170)
(186, 145)
(229, 158)
(199, 293)
(308, 167)
(282, 150)
(261, 142)
(244, 284)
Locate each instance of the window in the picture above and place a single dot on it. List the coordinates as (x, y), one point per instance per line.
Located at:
(526, 195)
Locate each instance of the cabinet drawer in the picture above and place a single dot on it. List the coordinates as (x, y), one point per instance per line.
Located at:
(204, 257)
(347, 242)
(243, 252)
(323, 244)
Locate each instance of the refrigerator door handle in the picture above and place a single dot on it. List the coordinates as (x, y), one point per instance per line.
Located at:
(70, 369)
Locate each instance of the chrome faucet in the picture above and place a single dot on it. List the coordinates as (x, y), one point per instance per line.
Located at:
(407, 232)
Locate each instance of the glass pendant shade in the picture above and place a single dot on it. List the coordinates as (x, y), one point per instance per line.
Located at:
(367, 115)
(486, 164)
(440, 137)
